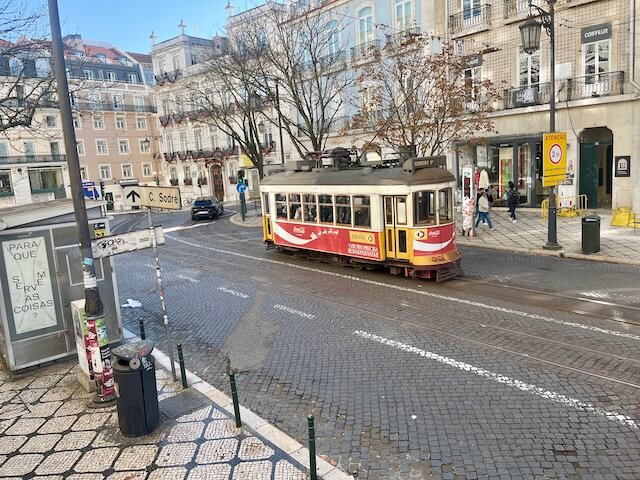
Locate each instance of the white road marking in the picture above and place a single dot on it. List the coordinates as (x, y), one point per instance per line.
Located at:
(496, 377)
(233, 292)
(189, 279)
(294, 311)
(131, 303)
(419, 292)
(186, 227)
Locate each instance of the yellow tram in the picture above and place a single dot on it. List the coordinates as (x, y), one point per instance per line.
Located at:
(398, 216)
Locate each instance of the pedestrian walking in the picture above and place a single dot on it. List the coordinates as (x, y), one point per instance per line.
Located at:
(490, 195)
(483, 210)
(513, 199)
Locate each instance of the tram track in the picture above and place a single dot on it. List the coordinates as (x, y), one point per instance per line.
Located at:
(239, 275)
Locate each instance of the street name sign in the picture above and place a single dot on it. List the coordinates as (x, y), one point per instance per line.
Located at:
(555, 158)
(158, 197)
(126, 242)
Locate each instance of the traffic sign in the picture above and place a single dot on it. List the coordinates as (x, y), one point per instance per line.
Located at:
(241, 187)
(158, 197)
(126, 242)
(555, 158)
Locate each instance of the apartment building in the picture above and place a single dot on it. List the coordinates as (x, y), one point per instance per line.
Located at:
(114, 120)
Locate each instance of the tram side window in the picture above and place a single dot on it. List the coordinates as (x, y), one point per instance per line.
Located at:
(361, 216)
(325, 204)
(445, 210)
(281, 206)
(424, 206)
(343, 210)
(309, 207)
(265, 202)
(295, 210)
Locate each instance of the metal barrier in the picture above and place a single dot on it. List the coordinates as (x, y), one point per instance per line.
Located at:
(574, 206)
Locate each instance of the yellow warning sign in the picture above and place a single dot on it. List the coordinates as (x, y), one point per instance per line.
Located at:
(555, 158)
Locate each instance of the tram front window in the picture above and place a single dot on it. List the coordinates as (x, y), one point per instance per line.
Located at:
(445, 205)
(424, 207)
(281, 206)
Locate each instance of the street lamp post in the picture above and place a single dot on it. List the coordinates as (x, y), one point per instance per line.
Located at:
(530, 33)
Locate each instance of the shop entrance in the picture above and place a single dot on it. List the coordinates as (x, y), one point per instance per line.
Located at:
(510, 162)
(596, 166)
(218, 185)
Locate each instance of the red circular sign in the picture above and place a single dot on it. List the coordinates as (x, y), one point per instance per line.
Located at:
(555, 153)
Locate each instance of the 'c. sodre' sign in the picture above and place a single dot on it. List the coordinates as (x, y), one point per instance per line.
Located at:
(31, 290)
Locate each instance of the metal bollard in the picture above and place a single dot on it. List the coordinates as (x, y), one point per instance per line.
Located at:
(142, 334)
(183, 372)
(234, 396)
(312, 449)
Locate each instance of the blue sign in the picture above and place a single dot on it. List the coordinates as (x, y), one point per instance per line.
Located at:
(90, 191)
(241, 187)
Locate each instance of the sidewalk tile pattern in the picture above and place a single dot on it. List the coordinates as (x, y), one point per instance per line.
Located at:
(48, 431)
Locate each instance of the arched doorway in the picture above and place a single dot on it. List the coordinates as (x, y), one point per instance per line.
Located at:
(596, 166)
(217, 182)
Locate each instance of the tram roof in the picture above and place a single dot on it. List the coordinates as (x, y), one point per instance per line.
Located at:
(361, 176)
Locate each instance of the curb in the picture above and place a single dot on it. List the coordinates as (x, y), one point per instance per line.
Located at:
(251, 420)
(237, 220)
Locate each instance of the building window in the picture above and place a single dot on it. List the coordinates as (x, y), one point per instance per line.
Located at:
(121, 123)
(365, 25)
(596, 60)
(118, 104)
(127, 170)
(98, 122)
(51, 121)
(101, 74)
(333, 38)
(146, 170)
(141, 123)
(88, 74)
(176, 62)
(183, 141)
(123, 147)
(133, 78)
(197, 138)
(528, 68)
(111, 76)
(105, 172)
(95, 101)
(161, 66)
(472, 78)
(166, 108)
(471, 10)
(80, 147)
(145, 146)
(101, 147)
(77, 122)
(3, 149)
(84, 173)
(138, 104)
(187, 171)
(5, 182)
(169, 142)
(45, 179)
(404, 18)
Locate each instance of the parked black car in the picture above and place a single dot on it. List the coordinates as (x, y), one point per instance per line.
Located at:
(209, 207)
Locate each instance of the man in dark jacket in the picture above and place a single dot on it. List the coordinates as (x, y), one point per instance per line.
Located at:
(513, 199)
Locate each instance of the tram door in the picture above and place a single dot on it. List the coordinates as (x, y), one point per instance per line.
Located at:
(395, 227)
(266, 218)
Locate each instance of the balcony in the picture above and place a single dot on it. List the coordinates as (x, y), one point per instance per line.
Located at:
(470, 20)
(14, 159)
(303, 6)
(536, 94)
(365, 50)
(404, 37)
(332, 61)
(597, 85)
(112, 107)
(168, 77)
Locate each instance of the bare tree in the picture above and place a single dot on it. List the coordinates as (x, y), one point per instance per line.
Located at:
(26, 76)
(418, 97)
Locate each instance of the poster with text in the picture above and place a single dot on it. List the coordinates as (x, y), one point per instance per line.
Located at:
(29, 283)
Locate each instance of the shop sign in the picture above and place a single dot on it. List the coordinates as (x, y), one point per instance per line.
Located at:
(555, 158)
(594, 33)
(525, 96)
(471, 61)
(623, 166)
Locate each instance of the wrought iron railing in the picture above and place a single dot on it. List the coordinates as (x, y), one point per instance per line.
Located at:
(597, 85)
(471, 18)
(513, 8)
(403, 37)
(113, 107)
(364, 50)
(12, 159)
(333, 60)
(536, 94)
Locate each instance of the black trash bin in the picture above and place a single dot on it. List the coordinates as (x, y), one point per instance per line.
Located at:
(135, 376)
(591, 234)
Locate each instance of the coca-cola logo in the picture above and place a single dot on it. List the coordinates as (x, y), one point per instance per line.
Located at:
(299, 230)
(434, 233)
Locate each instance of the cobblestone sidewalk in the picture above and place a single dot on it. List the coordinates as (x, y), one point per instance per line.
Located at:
(48, 431)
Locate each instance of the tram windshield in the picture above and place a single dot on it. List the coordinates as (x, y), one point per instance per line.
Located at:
(425, 207)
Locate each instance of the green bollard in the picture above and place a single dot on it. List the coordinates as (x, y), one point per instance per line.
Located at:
(312, 449)
(234, 396)
(183, 372)
(142, 334)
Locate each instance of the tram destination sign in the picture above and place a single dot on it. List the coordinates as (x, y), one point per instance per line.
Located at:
(157, 197)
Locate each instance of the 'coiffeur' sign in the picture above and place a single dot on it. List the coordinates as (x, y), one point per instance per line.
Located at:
(595, 33)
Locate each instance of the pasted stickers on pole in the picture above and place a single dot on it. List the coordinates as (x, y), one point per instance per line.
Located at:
(31, 290)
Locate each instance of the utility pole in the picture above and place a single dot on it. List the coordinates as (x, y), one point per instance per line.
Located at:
(98, 340)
